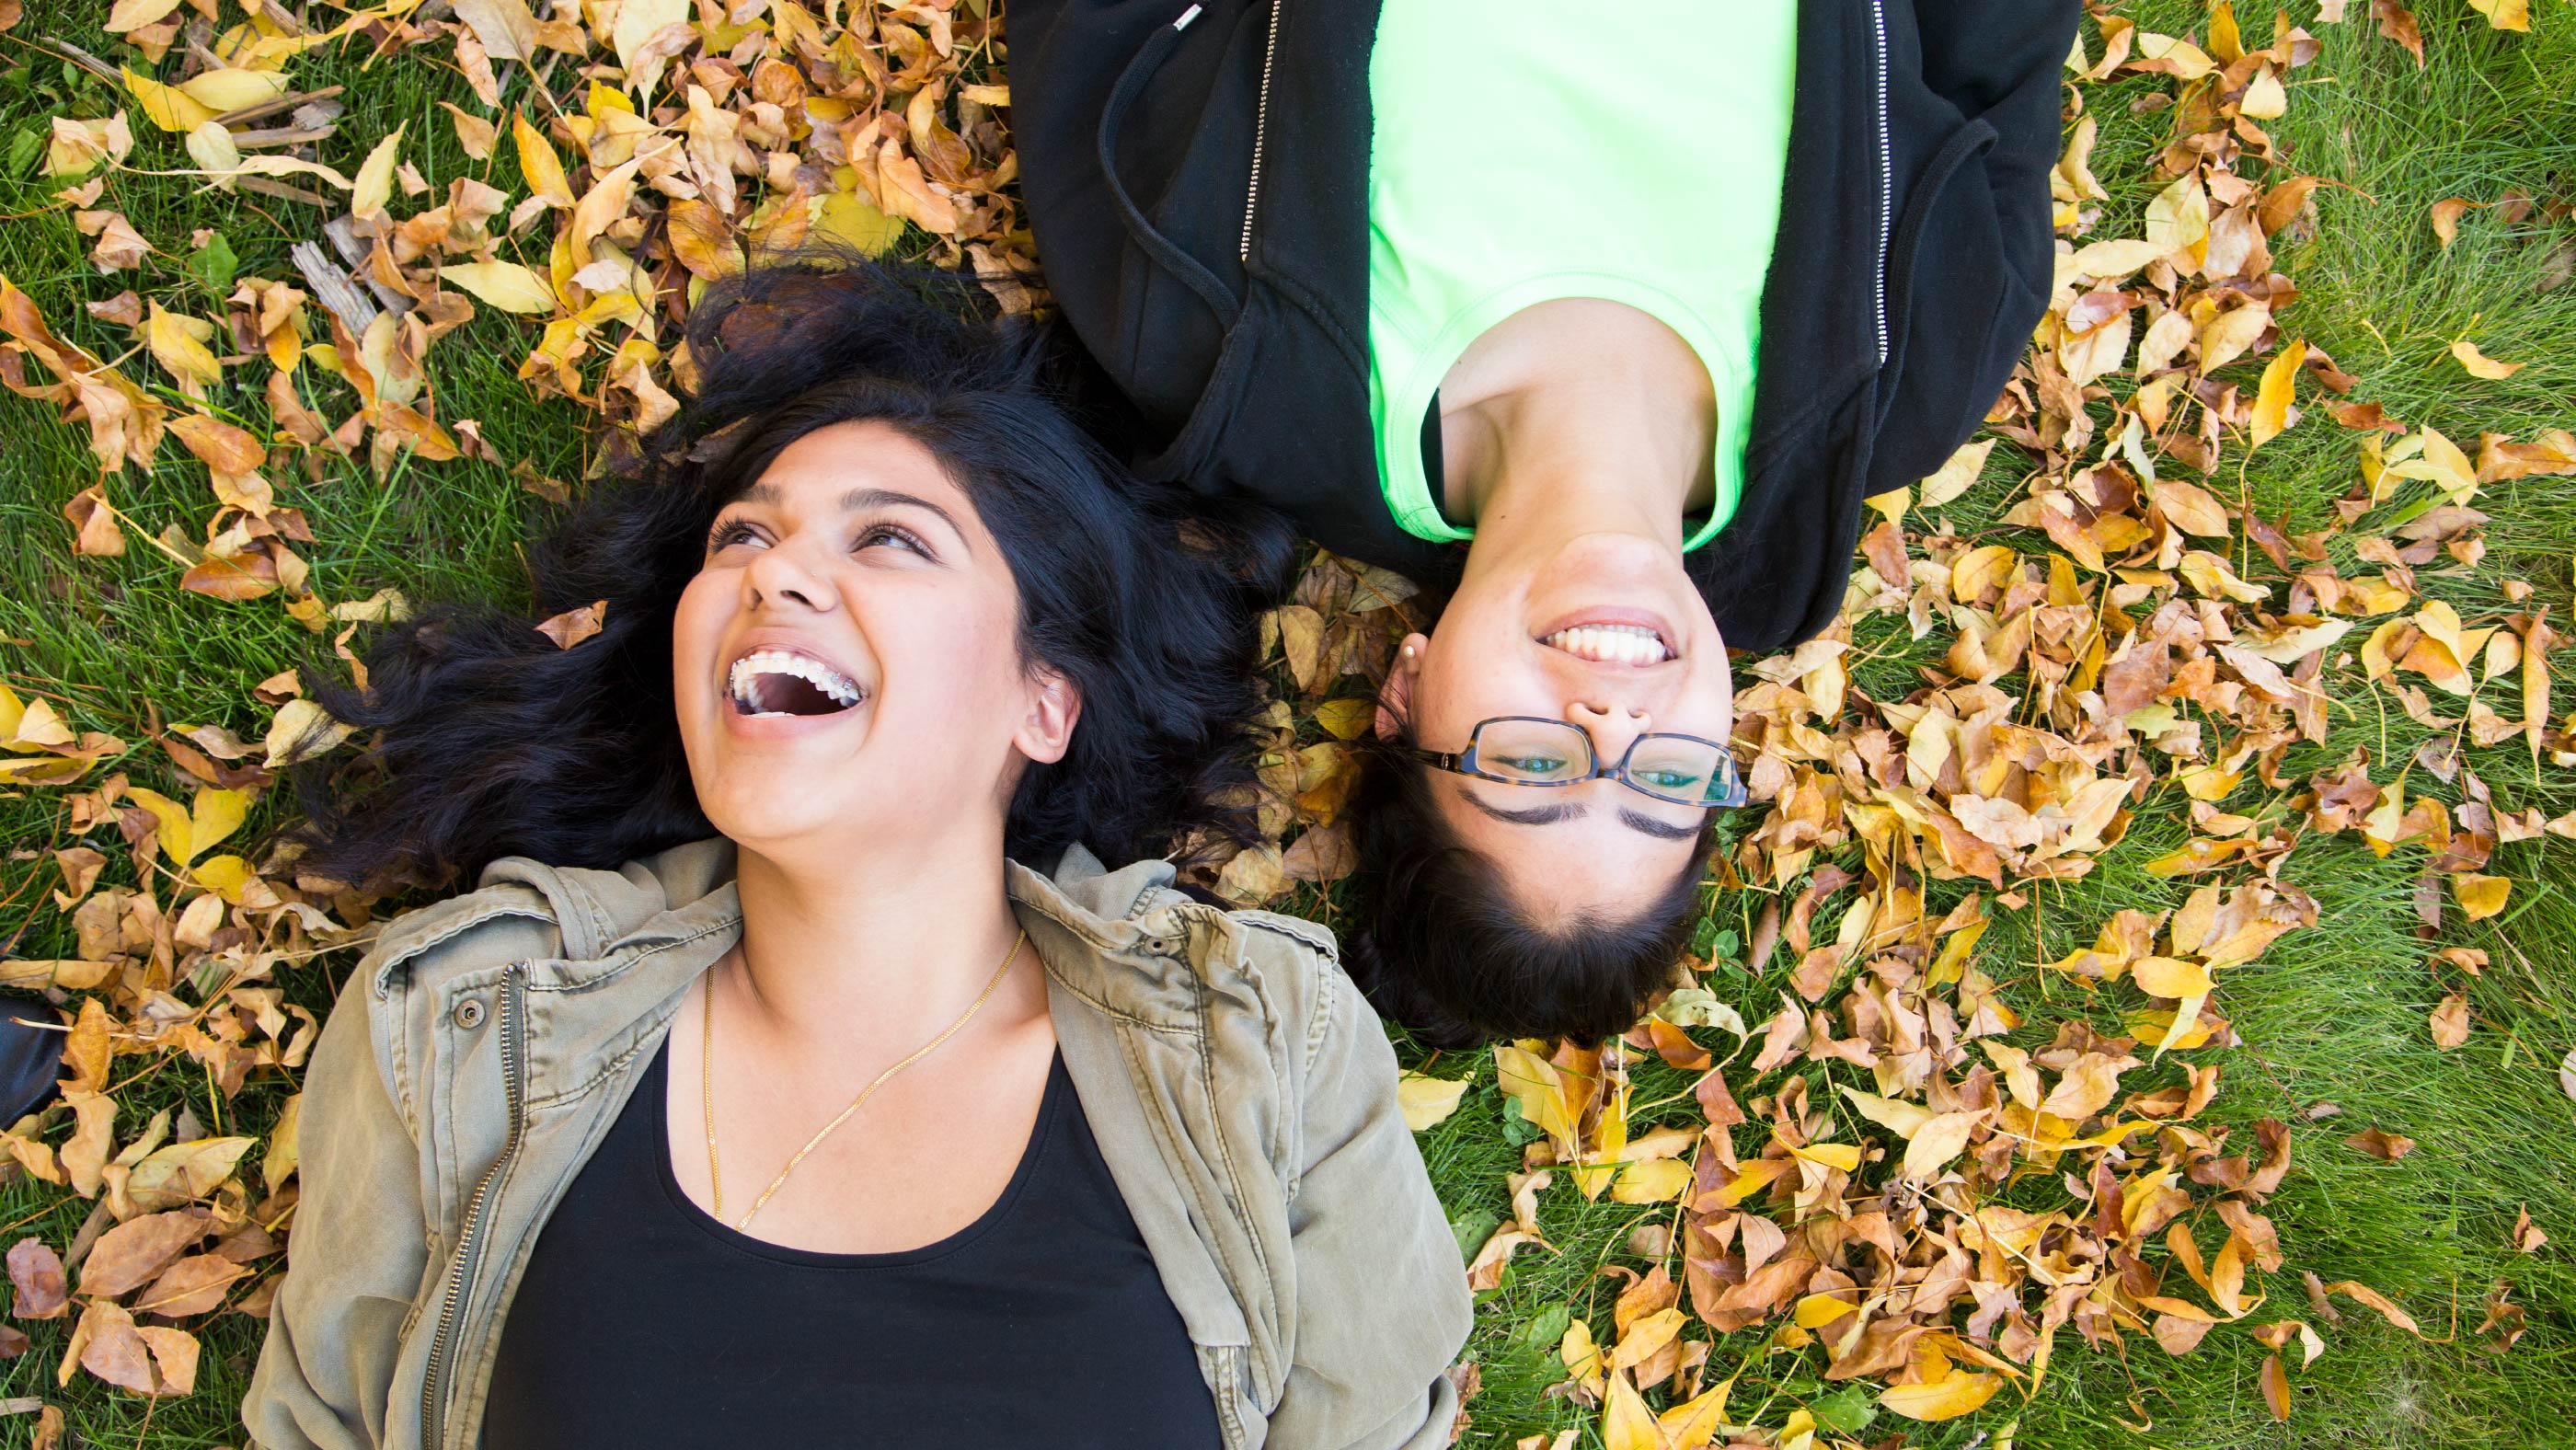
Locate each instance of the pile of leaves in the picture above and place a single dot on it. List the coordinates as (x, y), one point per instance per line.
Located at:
(1877, 1182)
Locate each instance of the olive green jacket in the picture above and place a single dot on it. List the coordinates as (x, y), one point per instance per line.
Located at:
(1242, 1093)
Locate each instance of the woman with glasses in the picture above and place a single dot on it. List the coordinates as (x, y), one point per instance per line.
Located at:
(1610, 325)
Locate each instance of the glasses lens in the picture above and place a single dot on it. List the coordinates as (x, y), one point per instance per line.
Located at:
(1678, 768)
(1542, 752)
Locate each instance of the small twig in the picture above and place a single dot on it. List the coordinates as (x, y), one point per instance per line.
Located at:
(85, 61)
(281, 103)
(280, 136)
(281, 190)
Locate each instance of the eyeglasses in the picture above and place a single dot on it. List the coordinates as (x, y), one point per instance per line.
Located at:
(1528, 750)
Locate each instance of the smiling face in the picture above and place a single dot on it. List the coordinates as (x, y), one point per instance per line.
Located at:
(845, 662)
(1603, 631)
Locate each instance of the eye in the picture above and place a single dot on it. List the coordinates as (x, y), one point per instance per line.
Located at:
(1670, 779)
(727, 533)
(895, 536)
(1533, 764)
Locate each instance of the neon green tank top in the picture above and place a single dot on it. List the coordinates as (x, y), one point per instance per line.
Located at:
(1520, 157)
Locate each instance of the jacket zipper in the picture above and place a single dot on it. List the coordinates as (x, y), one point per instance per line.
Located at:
(469, 1244)
(1886, 176)
(1260, 131)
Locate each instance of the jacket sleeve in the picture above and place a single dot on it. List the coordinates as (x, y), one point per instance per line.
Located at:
(358, 1252)
(1975, 263)
(1382, 1301)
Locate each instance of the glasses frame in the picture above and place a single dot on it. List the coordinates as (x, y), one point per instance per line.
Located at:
(1465, 762)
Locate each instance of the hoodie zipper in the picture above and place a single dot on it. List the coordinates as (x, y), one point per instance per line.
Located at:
(1886, 175)
(469, 1240)
(1260, 131)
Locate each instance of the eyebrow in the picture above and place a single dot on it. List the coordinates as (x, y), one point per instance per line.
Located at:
(1550, 815)
(860, 499)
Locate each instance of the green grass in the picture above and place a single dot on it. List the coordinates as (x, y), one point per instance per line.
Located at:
(2333, 1014)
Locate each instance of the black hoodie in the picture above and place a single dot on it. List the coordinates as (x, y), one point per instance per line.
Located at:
(1197, 175)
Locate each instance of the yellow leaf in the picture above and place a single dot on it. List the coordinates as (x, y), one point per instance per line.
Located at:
(505, 285)
(637, 21)
(2171, 978)
(375, 183)
(1346, 719)
(538, 164)
(1626, 1423)
(1957, 1395)
(2504, 14)
(218, 814)
(1818, 1310)
(2280, 386)
(2482, 366)
(2481, 896)
(173, 818)
(230, 89)
(1751, 1179)
(223, 875)
(1660, 1181)
(1957, 473)
(1532, 1081)
(1899, 1118)
(2190, 508)
(135, 14)
(1426, 1100)
(1938, 1141)
(1694, 1423)
(1845, 1156)
(1988, 566)
(168, 107)
(854, 221)
(1581, 1356)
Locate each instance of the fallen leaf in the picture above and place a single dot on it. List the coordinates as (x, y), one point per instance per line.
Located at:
(36, 1276)
(1428, 1101)
(2482, 366)
(575, 625)
(2450, 1022)
(2385, 1146)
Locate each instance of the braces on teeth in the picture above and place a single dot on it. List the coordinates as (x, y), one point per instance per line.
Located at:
(744, 679)
(1623, 644)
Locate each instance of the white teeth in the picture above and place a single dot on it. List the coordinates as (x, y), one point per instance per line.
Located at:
(743, 677)
(1618, 644)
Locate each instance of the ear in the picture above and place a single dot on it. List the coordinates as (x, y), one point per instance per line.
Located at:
(1046, 731)
(1395, 697)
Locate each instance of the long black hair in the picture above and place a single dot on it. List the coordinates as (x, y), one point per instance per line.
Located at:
(1443, 948)
(490, 741)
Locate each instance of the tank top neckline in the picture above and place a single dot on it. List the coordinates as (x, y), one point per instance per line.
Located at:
(731, 1239)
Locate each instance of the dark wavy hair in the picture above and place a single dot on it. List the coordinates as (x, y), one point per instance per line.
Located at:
(1444, 949)
(490, 741)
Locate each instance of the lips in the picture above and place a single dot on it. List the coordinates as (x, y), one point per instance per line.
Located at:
(1612, 637)
(772, 682)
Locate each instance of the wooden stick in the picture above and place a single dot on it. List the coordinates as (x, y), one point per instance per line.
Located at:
(282, 103)
(282, 136)
(280, 189)
(331, 287)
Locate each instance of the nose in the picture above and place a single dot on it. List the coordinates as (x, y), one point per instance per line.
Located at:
(1613, 725)
(779, 576)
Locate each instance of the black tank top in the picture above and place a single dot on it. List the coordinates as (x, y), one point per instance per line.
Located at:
(643, 1322)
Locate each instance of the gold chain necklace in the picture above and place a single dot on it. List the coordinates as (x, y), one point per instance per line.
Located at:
(707, 1086)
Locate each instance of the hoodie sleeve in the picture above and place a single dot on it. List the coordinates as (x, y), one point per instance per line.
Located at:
(1974, 109)
(359, 1252)
(1382, 1305)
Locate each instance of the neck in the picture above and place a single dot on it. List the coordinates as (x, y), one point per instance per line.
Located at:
(870, 944)
(1578, 411)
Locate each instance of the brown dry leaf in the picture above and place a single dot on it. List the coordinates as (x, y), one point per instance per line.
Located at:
(2446, 218)
(2385, 1146)
(2276, 1387)
(129, 1255)
(2526, 1237)
(2450, 1022)
(575, 625)
(2398, 24)
(36, 1276)
(194, 1285)
(96, 534)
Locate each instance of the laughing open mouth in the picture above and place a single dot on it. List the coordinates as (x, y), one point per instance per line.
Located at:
(1613, 644)
(777, 682)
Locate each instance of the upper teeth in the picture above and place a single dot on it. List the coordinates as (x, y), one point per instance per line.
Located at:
(1620, 644)
(780, 662)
